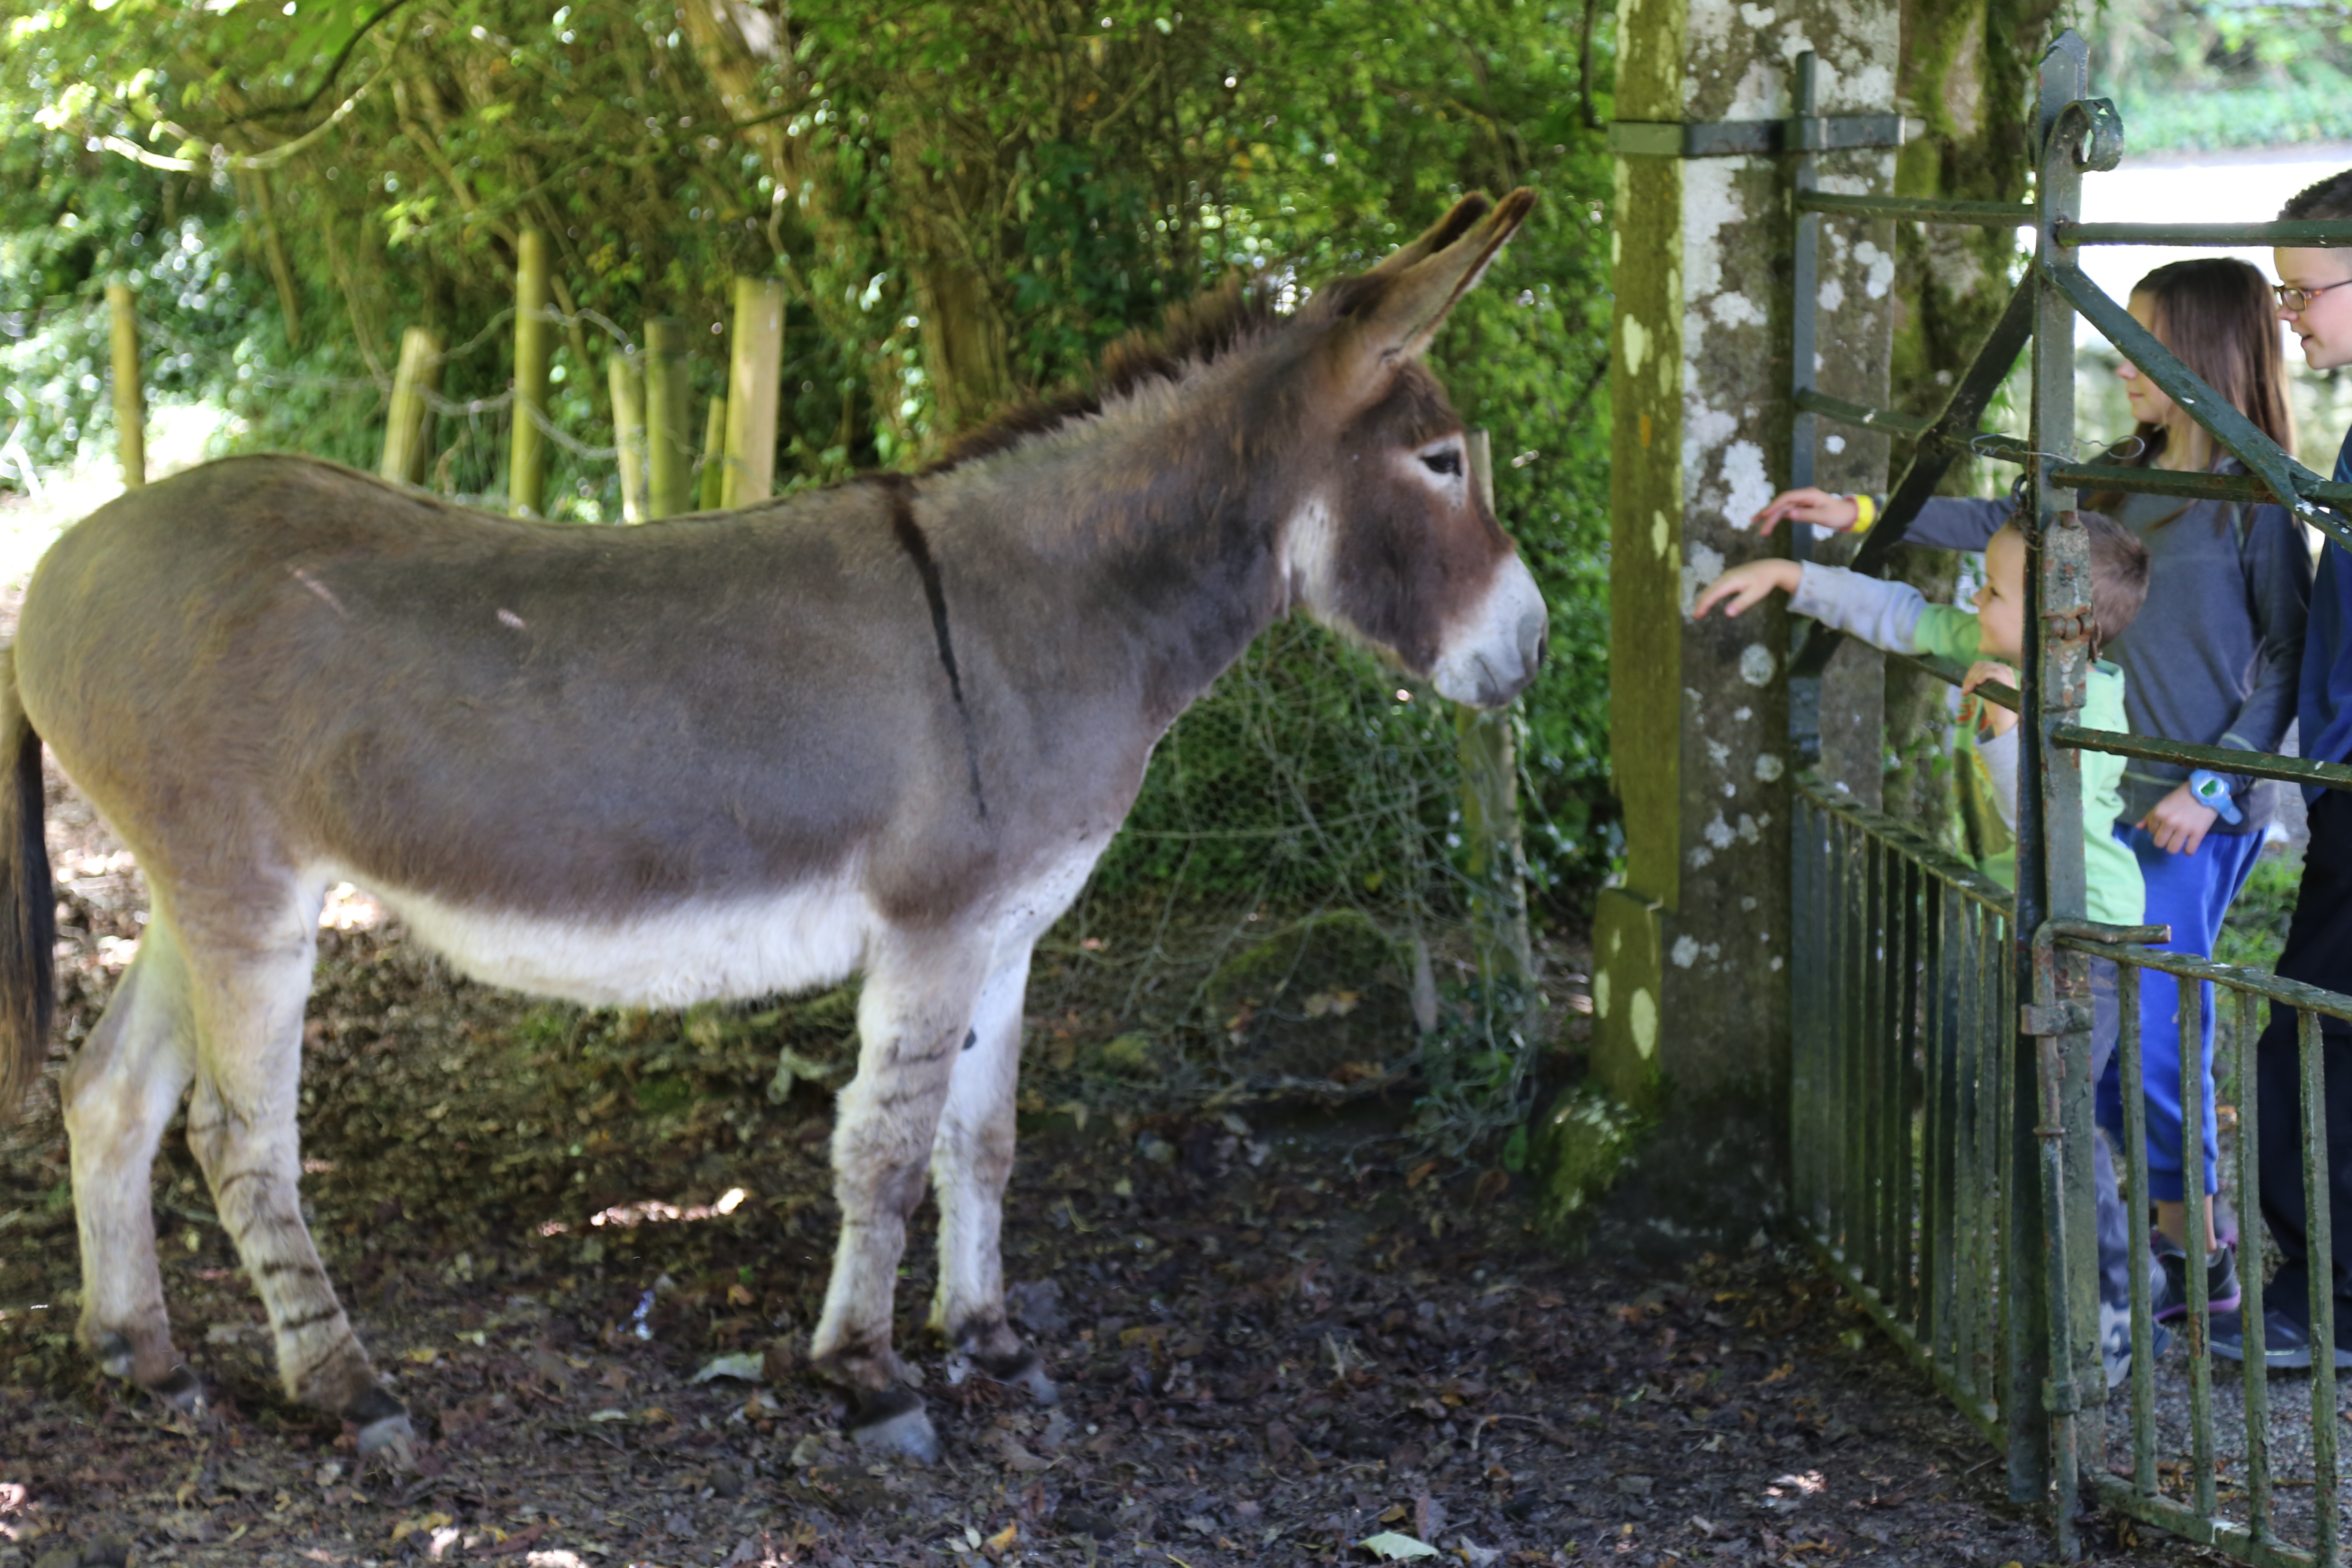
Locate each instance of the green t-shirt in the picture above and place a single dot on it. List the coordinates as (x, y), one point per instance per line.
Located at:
(2110, 873)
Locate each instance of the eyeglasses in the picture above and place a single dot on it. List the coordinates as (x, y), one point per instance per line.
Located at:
(2294, 300)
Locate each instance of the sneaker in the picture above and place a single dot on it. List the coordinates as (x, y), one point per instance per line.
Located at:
(2119, 1359)
(2286, 1344)
(2222, 1292)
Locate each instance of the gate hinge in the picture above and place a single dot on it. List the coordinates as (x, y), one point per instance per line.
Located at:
(2058, 1018)
(2068, 626)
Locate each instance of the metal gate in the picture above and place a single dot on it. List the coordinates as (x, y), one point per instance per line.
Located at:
(1942, 1099)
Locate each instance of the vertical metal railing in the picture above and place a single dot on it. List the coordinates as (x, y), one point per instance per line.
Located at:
(1901, 1067)
(1942, 1117)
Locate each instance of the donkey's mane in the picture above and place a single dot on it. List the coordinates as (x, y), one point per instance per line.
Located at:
(1195, 332)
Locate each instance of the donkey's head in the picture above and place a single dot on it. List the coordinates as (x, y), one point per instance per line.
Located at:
(1391, 541)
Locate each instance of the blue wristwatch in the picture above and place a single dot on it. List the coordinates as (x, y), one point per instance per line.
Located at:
(2212, 791)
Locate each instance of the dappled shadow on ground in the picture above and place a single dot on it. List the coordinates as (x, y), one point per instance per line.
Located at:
(1277, 1336)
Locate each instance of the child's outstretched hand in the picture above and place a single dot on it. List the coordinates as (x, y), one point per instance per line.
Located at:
(1744, 586)
(1817, 506)
(1989, 715)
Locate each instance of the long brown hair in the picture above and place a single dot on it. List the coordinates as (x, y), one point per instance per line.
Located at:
(2218, 316)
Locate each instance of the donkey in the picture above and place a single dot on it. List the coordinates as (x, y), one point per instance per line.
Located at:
(888, 726)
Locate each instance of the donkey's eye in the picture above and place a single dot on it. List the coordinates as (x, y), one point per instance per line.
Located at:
(1449, 461)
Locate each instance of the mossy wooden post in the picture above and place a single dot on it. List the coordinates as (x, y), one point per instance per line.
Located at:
(670, 442)
(130, 393)
(714, 457)
(1488, 750)
(408, 423)
(1691, 982)
(628, 384)
(527, 454)
(755, 365)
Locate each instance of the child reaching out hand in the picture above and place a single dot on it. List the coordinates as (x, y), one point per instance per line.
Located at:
(1895, 617)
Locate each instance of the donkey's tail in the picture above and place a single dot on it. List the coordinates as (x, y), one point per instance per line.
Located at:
(28, 903)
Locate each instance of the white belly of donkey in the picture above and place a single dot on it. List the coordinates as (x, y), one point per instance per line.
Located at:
(671, 957)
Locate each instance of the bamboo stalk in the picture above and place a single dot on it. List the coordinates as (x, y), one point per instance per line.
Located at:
(130, 397)
(527, 460)
(756, 364)
(714, 457)
(669, 447)
(408, 424)
(628, 384)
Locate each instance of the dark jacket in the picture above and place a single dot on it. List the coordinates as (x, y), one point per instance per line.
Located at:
(2216, 652)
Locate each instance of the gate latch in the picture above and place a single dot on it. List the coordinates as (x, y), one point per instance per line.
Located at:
(2057, 1018)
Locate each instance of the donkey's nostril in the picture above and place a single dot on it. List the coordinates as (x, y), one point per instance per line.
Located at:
(1535, 636)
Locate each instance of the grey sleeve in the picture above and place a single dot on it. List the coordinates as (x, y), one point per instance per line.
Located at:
(2000, 755)
(1957, 522)
(2278, 592)
(1884, 615)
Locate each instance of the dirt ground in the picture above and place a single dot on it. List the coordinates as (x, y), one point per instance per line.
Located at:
(1279, 1333)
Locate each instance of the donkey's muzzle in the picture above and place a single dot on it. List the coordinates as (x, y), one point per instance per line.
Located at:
(1501, 650)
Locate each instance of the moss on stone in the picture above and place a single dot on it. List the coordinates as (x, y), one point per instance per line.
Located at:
(1582, 1141)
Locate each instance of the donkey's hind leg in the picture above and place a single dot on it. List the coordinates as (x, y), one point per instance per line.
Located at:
(120, 1091)
(971, 1160)
(248, 987)
(912, 1017)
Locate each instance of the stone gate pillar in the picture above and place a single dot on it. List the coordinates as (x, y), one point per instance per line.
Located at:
(1691, 985)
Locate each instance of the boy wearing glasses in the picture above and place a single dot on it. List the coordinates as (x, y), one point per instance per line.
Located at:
(2314, 293)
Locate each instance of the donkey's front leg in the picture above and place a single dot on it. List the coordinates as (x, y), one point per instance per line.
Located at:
(912, 1018)
(250, 975)
(970, 1163)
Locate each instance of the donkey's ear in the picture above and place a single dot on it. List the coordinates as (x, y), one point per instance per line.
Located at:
(1398, 312)
(1437, 237)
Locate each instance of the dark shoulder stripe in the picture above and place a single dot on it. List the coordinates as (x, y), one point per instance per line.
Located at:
(900, 490)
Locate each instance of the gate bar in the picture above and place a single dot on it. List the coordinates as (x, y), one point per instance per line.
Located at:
(2301, 234)
(1923, 209)
(2220, 759)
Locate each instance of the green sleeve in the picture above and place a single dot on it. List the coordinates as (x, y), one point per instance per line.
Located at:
(2114, 892)
(1946, 633)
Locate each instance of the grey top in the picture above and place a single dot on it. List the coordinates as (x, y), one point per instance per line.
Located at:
(2215, 653)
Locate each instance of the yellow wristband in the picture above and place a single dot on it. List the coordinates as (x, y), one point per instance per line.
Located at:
(1865, 512)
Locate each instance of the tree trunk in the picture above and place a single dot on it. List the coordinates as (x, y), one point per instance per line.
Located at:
(1968, 72)
(963, 328)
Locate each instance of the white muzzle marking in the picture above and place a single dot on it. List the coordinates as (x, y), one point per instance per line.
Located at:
(1497, 650)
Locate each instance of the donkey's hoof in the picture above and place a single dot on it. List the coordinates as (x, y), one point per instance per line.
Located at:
(1022, 1371)
(114, 1356)
(181, 1389)
(384, 1430)
(892, 1422)
(391, 1440)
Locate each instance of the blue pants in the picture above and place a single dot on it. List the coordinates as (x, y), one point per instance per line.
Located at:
(2191, 893)
(2114, 1223)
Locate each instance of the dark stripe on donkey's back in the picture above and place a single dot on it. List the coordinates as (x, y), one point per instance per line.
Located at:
(902, 492)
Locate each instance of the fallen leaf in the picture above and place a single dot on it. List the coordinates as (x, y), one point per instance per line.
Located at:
(408, 1527)
(423, 1355)
(1419, 1173)
(1003, 1539)
(1391, 1545)
(743, 1366)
